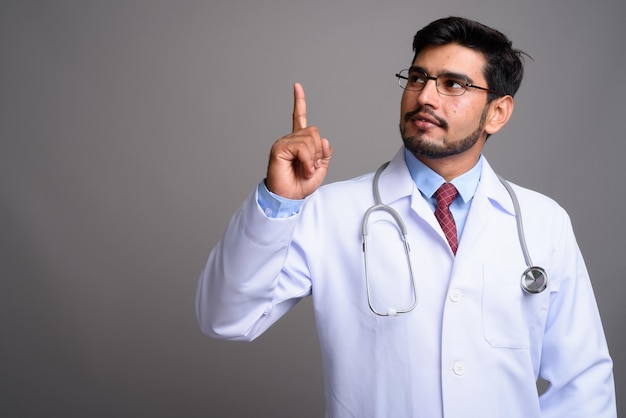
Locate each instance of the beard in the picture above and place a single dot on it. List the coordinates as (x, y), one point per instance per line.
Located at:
(431, 150)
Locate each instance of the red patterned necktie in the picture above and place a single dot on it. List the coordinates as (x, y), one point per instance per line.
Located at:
(445, 195)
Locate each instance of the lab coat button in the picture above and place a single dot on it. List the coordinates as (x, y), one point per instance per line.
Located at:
(459, 368)
(456, 295)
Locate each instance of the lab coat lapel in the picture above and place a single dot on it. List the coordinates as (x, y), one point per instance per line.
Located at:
(489, 197)
(396, 183)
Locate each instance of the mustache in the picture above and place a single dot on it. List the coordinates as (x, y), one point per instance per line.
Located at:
(426, 110)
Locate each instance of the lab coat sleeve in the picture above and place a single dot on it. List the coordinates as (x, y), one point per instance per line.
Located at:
(242, 291)
(575, 357)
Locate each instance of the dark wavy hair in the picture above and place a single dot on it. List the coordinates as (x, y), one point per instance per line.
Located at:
(505, 65)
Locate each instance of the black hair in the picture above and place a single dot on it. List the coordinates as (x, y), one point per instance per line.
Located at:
(505, 65)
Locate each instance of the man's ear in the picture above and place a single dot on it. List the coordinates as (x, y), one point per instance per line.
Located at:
(499, 113)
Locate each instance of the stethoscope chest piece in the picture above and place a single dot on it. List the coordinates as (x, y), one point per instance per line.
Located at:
(534, 280)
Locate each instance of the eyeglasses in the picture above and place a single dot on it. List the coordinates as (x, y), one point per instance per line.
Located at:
(447, 84)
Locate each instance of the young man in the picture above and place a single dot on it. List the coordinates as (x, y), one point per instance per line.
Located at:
(443, 326)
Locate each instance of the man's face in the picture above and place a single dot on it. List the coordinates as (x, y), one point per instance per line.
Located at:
(434, 126)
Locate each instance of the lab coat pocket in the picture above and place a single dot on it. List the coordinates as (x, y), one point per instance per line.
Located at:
(504, 324)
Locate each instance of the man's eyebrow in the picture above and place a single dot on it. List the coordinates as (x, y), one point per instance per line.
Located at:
(450, 74)
(418, 69)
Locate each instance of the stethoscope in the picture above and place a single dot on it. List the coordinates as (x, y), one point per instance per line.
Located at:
(534, 279)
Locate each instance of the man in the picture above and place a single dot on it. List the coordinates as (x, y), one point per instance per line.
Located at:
(441, 327)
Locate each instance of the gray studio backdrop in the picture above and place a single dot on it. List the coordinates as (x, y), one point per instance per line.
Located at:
(131, 130)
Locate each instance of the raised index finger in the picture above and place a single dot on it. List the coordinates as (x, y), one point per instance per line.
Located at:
(299, 108)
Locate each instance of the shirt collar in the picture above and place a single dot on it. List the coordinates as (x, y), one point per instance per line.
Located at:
(428, 181)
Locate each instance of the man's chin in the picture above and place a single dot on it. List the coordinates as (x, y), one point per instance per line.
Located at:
(426, 148)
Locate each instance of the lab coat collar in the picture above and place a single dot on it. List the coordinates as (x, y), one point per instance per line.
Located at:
(396, 183)
(490, 197)
(491, 188)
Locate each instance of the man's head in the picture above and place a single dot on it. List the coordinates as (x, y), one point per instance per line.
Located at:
(474, 73)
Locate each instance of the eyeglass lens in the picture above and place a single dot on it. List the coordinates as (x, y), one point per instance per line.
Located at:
(447, 85)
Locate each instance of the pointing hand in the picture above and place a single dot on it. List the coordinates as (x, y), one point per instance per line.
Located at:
(299, 161)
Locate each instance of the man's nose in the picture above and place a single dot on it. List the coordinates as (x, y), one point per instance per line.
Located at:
(429, 95)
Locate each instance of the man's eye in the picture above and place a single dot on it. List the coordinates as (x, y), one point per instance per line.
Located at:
(416, 79)
(452, 83)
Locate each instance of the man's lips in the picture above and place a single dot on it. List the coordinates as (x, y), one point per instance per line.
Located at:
(420, 117)
(424, 119)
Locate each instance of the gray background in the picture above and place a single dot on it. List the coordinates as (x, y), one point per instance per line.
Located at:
(131, 130)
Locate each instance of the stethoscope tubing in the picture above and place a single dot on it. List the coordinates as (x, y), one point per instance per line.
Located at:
(534, 279)
(380, 206)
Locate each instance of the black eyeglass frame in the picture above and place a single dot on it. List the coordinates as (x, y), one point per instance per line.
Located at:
(465, 84)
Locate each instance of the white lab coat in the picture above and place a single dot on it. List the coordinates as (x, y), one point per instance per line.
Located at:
(475, 344)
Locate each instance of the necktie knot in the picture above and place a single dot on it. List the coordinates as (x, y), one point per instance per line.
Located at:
(445, 195)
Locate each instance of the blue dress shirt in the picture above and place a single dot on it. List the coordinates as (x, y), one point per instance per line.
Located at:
(428, 181)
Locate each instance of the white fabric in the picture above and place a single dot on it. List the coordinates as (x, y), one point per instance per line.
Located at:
(474, 346)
